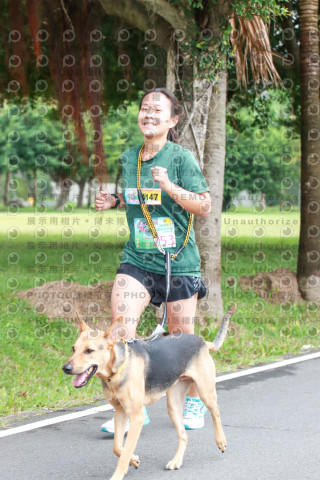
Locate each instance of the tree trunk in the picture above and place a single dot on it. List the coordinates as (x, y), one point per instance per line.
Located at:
(208, 229)
(34, 187)
(194, 118)
(89, 193)
(205, 136)
(81, 184)
(64, 193)
(197, 127)
(309, 242)
(6, 188)
(170, 81)
(118, 176)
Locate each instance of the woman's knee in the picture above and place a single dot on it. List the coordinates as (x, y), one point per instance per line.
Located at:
(129, 298)
(181, 315)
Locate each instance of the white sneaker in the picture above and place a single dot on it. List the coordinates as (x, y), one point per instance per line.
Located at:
(109, 425)
(194, 411)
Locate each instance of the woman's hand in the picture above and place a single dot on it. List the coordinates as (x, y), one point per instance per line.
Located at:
(104, 201)
(160, 174)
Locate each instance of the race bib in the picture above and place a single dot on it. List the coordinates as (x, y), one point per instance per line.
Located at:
(152, 196)
(164, 227)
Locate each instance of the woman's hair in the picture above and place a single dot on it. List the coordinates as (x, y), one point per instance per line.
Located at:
(175, 110)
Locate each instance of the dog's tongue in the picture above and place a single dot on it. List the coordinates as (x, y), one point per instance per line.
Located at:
(79, 380)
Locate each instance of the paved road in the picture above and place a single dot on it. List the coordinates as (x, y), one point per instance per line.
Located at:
(271, 420)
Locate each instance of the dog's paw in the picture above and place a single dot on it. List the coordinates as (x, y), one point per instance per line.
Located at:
(222, 444)
(135, 461)
(174, 464)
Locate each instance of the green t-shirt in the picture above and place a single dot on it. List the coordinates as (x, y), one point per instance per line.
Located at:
(184, 171)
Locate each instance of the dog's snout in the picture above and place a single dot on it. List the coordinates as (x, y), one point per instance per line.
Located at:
(67, 368)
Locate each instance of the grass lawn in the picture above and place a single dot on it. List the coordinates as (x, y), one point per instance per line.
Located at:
(47, 246)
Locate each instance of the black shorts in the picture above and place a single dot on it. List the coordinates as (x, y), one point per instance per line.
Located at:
(181, 286)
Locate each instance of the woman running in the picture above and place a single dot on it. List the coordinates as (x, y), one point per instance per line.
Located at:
(173, 188)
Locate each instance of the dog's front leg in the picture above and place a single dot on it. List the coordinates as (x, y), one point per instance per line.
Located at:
(120, 423)
(127, 454)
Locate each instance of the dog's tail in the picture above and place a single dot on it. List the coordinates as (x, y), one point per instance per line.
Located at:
(221, 335)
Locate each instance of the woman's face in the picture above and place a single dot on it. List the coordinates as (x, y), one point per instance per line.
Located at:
(154, 118)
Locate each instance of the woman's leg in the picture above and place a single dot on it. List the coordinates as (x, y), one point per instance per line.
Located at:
(129, 299)
(181, 315)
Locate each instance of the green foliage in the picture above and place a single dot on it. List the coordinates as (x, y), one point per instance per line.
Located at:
(262, 8)
(34, 140)
(27, 135)
(259, 126)
(196, 4)
(128, 134)
(263, 152)
(124, 83)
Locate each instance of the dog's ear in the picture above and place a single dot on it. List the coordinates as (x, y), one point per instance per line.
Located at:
(82, 325)
(116, 331)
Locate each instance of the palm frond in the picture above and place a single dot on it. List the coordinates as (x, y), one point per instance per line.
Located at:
(251, 38)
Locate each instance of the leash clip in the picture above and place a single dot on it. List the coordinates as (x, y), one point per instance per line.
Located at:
(159, 245)
(158, 331)
(140, 196)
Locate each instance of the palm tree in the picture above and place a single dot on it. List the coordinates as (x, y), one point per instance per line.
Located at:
(248, 37)
(309, 243)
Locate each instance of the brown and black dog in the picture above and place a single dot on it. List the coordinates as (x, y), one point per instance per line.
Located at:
(138, 373)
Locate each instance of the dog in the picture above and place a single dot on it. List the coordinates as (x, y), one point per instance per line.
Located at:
(139, 373)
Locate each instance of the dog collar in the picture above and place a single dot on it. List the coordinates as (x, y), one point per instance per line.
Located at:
(123, 365)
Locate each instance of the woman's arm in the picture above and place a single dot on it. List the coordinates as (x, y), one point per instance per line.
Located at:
(196, 203)
(104, 200)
